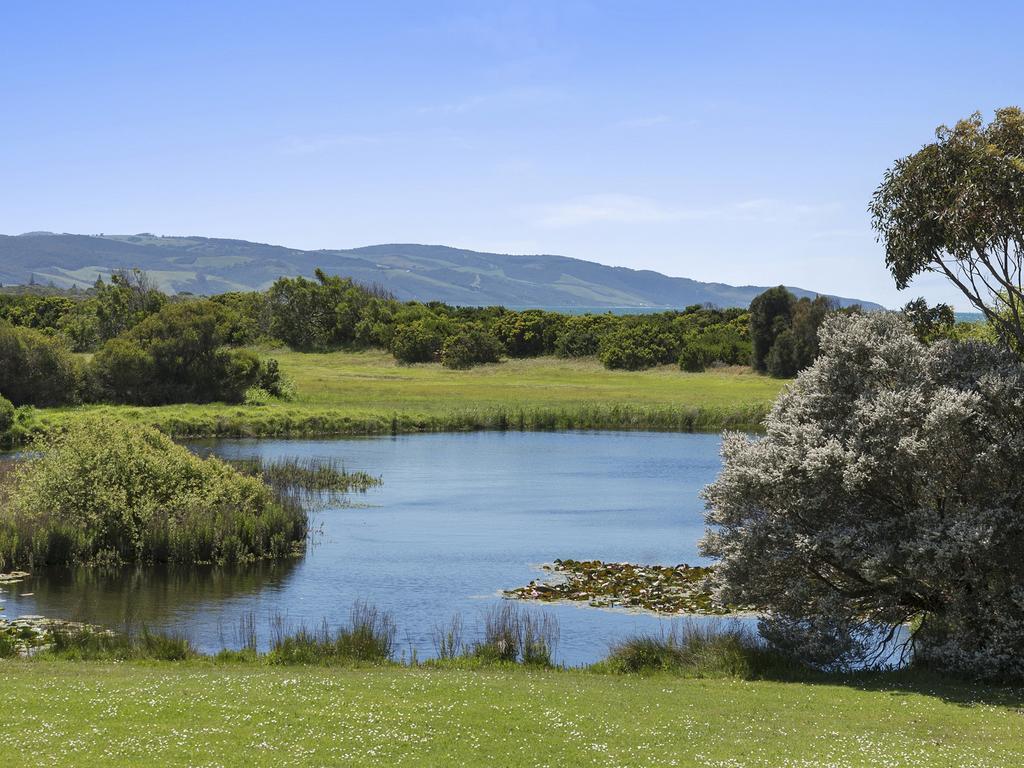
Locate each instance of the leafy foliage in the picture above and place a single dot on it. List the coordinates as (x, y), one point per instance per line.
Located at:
(320, 314)
(637, 346)
(930, 323)
(886, 490)
(178, 356)
(36, 369)
(956, 207)
(784, 330)
(6, 417)
(105, 491)
(420, 341)
(580, 335)
(468, 347)
(528, 333)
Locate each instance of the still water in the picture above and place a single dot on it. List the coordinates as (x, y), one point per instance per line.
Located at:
(459, 517)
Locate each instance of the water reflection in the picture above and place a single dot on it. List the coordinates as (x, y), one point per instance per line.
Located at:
(152, 596)
(459, 518)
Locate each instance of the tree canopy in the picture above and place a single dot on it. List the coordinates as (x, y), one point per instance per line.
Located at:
(956, 208)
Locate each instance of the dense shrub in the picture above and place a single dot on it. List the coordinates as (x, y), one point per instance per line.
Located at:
(695, 358)
(177, 356)
(784, 330)
(638, 346)
(6, 416)
(129, 298)
(323, 313)
(886, 492)
(111, 492)
(420, 341)
(581, 335)
(770, 314)
(469, 346)
(36, 369)
(528, 333)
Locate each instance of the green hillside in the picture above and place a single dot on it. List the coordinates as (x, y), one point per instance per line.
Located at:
(411, 272)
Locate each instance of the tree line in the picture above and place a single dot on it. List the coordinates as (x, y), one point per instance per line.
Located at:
(149, 348)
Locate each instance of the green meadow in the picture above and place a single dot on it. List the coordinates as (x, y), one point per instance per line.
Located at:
(351, 393)
(204, 713)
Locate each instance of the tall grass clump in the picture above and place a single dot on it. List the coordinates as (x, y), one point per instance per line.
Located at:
(512, 634)
(706, 649)
(93, 644)
(310, 474)
(108, 492)
(447, 639)
(369, 637)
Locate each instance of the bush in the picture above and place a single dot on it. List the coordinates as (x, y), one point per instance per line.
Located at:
(470, 346)
(6, 416)
(36, 369)
(694, 358)
(635, 347)
(177, 356)
(111, 492)
(696, 650)
(323, 313)
(581, 335)
(420, 341)
(886, 492)
(528, 333)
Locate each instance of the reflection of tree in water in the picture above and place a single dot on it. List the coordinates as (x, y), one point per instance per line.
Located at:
(140, 595)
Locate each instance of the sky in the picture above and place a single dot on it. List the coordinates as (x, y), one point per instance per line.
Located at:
(729, 142)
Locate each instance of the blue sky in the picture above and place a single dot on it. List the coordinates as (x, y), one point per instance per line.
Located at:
(735, 142)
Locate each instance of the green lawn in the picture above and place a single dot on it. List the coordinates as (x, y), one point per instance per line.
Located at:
(201, 713)
(367, 393)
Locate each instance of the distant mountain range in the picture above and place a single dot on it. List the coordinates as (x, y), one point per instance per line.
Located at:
(204, 265)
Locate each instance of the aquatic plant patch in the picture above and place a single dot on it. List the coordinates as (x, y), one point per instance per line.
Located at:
(108, 492)
(659, 588)
(27, 635)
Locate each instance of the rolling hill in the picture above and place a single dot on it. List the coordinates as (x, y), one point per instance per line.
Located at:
(204, 265)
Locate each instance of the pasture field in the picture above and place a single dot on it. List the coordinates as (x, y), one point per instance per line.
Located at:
(205, 713)
(352, 393)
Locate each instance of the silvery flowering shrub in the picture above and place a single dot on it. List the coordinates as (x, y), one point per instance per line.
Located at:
(888, 490)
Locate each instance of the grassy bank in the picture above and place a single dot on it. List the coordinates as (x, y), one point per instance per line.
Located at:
(360, 393)
(204, 713)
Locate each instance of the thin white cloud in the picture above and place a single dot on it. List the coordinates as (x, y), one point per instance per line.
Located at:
(591, 209)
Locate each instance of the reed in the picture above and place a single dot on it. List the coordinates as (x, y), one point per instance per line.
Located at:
(369, 637)
(306, 474)
(92, 644)
(512, 634)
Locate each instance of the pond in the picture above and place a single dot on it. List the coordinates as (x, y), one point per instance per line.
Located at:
(459, 517)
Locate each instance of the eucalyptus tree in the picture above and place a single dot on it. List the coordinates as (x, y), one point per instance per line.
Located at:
(956, 208)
